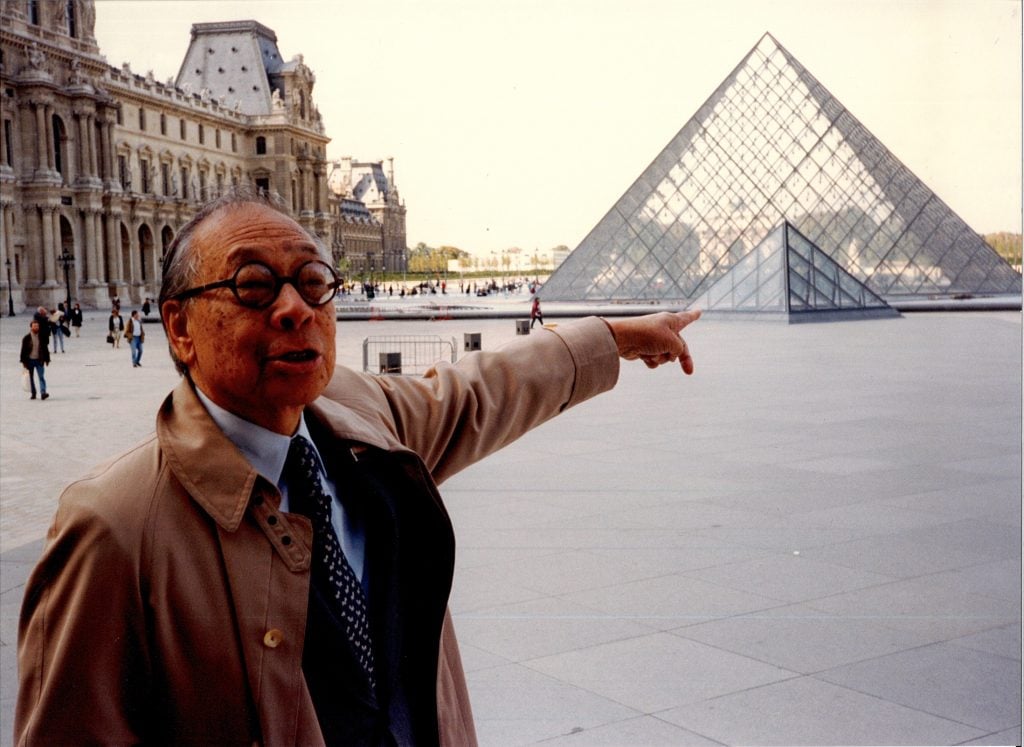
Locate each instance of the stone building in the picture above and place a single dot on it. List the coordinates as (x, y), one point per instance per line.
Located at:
(367, 184)
(360, 236)
(100, 166)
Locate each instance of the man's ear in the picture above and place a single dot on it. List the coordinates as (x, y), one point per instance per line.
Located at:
(176, 328)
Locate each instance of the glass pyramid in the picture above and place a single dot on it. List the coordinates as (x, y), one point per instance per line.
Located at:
(788, 278)
(773, 145)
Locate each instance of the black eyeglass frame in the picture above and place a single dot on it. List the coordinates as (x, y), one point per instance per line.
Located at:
(279, 283)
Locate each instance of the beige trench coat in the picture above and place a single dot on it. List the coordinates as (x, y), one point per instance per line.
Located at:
(170, 602)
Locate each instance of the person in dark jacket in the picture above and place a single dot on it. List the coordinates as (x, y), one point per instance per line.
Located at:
(35, 357)
(42, 316)
(76, 318)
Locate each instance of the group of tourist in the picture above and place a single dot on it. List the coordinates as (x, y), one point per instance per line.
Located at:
(52, 325)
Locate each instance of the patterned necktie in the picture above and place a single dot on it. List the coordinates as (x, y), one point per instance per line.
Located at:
(308, 497)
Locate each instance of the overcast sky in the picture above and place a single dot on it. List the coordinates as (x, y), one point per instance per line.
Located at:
(521, 122)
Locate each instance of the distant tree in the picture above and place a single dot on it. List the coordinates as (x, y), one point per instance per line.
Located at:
(419, 258)
(430, 260)
(1008, 245)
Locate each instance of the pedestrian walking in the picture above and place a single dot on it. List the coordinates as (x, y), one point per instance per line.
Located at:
(115, 327)
(57, 327)
(535, 312)
(42, 316)
(35, 357)
(136, 335)
(76, 319)
(146, 307)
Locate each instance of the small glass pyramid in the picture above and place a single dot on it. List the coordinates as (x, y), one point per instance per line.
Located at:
(788, 278)
(771, 144)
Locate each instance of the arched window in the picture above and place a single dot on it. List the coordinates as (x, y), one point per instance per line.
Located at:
(69, 11)
(33, 12)
(58, 145)
(261, 146)
(145, 251)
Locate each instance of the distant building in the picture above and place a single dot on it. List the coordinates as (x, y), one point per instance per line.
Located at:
(366, 183)
(361, 237)
(103, 166)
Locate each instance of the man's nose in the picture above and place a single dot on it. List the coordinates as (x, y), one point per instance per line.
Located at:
(289, 310)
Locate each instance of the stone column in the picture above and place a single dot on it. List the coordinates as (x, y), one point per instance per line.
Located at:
(41, 148)
(48, 256)
(128, 274)
(110, 172)
(113, 250)
(100, 248)
(82, 154)
(318, 184)
(5, 241)
(90, 139)
(51, 157)
(88, 273)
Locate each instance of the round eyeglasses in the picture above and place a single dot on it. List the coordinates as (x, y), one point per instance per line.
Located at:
(256, 286)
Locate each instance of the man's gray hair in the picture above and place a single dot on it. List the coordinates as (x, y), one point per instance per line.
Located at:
(181, 263)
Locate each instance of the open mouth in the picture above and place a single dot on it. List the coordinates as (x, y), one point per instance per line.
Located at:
(298, 356)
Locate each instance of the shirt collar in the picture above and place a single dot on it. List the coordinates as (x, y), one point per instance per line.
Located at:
(265, 450)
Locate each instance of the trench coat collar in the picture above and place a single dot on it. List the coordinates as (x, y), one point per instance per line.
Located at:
(212, 469)
(209, 466)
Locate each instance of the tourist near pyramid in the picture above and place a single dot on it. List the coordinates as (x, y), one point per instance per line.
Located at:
(772, 145)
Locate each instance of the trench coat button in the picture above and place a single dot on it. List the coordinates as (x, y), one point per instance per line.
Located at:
(273, 638)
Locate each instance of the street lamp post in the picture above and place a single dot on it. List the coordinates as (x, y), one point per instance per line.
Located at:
(67, 260)
(10, 289)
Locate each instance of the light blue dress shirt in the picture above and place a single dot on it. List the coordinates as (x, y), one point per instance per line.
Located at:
(267, 452)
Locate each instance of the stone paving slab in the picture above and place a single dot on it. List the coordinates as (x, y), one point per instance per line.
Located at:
(814, 540)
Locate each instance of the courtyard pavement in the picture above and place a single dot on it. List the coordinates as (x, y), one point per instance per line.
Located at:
(816, 539)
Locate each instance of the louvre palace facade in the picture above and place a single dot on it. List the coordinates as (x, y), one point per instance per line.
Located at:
(101, 166)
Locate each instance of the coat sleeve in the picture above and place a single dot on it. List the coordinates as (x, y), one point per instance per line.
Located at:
(457, 414)
(82, 652)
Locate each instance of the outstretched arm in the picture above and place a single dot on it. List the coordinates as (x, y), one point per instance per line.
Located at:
(654, 338)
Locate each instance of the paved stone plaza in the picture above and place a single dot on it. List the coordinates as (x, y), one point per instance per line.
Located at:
(816, 539)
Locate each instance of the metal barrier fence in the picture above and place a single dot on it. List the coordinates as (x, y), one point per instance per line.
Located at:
(406, 354)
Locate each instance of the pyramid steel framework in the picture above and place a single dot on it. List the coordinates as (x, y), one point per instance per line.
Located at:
(772, 145)
(788, 278)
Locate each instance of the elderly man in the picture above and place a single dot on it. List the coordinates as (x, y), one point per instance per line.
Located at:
(273, 564)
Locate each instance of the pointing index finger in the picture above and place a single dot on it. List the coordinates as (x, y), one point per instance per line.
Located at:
(688, 317)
